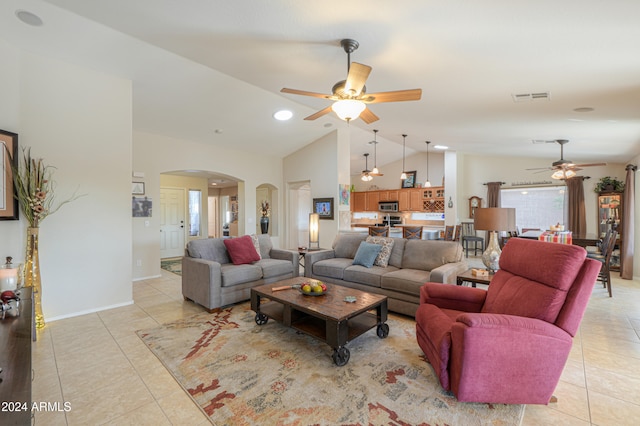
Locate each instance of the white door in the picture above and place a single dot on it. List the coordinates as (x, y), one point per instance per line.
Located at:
(171, 222)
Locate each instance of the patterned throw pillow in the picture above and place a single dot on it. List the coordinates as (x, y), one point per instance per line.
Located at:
(256, 244)
(383, 257)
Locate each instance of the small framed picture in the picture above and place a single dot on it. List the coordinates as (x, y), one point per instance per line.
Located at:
(410, 181)
(9, 207)
(324, 207)
(137, 188)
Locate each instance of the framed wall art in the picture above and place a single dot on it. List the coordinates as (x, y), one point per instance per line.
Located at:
(324, 207)
(137, 188)
(410, 181)
(8, 150)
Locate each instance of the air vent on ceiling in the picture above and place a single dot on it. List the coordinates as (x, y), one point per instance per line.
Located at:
(527, 97)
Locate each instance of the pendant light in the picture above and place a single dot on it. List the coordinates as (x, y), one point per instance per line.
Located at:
(366, 177)
(427, 184)
(375, 171)
(403, 176)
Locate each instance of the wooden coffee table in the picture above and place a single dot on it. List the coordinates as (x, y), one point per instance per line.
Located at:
(327, 317)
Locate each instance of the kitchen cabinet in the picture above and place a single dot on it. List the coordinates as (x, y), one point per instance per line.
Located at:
(358, 201)
(372, 201)
(415, 200)
(391, 195)
(403, 200)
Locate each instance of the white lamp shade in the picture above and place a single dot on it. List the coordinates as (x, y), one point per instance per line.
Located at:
(8, 279)
(563, 174)
(403, 176)
(348, 109)
(427, 184)
(314, 228)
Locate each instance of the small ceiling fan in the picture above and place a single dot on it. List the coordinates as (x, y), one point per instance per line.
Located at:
(350, 95)
(564, 169)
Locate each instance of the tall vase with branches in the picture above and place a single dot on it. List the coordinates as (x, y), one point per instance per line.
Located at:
(34, 190)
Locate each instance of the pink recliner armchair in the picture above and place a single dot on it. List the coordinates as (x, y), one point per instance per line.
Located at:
(508, 344)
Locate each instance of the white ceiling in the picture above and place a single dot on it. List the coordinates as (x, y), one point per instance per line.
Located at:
(469, 58)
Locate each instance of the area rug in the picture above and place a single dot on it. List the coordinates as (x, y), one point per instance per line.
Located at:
(240, 373)
(172, 265)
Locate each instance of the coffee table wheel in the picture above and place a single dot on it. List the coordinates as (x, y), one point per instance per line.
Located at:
(382, 330)
(341, 356)
(261, 319)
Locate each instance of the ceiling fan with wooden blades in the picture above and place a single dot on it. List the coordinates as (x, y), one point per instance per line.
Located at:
(350, 95)
(564, 169)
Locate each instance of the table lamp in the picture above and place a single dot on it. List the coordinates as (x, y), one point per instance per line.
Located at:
(494, 219)
(314, 227)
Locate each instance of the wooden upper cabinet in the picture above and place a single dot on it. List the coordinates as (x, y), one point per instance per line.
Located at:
(372, 201)
(415, 200)
(403, 200)
(391, 195)
(358, 201)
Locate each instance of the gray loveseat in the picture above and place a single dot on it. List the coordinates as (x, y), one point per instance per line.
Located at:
(210, 279)
(411, 264)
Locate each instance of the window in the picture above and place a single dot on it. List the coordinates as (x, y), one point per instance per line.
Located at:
(536, 207)
(194, 212)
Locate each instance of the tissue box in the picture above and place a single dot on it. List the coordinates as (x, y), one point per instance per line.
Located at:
(480, 272)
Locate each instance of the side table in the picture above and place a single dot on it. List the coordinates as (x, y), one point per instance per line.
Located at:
(467, 276)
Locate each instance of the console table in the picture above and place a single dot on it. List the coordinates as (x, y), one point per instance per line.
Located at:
(16, 336)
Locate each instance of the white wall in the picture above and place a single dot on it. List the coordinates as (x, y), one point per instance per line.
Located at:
(79, 121)
(322, 163)
(156, 154)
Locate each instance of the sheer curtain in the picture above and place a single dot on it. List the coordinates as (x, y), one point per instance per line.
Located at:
(577, 222)
(628, 231)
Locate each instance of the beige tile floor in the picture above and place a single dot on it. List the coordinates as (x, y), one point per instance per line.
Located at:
(97, 363)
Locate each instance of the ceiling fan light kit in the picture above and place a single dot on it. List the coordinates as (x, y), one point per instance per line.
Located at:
(348, 109)
(350, 95)
(563, 169)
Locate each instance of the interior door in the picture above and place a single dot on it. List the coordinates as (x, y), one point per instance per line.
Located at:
(172, 216)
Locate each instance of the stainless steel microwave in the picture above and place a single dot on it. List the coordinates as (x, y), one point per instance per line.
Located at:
(388, 206)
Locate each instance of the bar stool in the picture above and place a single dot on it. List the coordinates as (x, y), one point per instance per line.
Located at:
(469, 236)
(412, 232)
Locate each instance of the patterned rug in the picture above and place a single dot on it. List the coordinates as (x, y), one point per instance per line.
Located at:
(172, 265)
(240, 373)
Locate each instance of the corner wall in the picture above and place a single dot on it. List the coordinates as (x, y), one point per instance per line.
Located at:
(80, 122)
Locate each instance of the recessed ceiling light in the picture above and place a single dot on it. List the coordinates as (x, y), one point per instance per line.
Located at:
(283, 115)
(29, 18)
(440, 147)
(583, 109)
(218, 131)
(213, 184)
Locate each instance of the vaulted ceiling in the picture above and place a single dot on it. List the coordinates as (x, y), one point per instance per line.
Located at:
(212, 70)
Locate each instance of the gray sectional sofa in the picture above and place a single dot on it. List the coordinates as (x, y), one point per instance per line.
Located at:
(411, 264)
(210, 279)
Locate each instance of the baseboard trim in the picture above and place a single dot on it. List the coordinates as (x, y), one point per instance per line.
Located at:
(89, 311)
(147, 278)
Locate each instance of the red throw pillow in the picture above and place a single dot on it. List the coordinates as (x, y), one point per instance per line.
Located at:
(241, 250)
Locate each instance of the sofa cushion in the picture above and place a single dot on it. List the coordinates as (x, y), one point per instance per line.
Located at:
(265, 245)
(366, 254)
(274, 267)
(397, 252)
(346, 245)
(332, 268)
(368, 276)
(386, 243)
(405, 280)
(241, 250)
(239, 274)
(538, 291)
(208, 249)
(430, 254)
(256, 244)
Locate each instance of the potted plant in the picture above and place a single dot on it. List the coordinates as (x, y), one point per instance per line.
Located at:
(608, 184)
